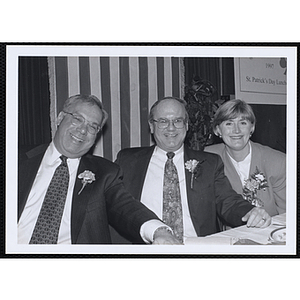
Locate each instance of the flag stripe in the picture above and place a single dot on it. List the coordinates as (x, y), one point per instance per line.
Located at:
(144, 99)
(61, 72)
(168, 76)
(125, 102)
(115, 105)
(96, 90)
(152, 81)
(160, 77)
(95, 77)
(127, 87)
(135, 132)
(176, 79)
(73, 76)
(106, 100)
(84, 70)
(153, 89)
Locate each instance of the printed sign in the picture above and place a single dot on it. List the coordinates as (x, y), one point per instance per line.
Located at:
(261, 80)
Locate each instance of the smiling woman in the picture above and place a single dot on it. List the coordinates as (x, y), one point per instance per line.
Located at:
(235, 134)
(234, 123)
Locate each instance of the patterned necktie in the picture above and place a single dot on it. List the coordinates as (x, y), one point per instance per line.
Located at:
(48, 222)
(172, 210)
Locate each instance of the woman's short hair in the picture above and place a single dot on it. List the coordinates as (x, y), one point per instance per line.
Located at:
(233, 109)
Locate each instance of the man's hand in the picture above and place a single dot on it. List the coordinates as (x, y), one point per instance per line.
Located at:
(257, 217)
(163, 236)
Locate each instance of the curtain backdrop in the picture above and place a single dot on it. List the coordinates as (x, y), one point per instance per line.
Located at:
(207, 69)
(34, 102)
(127, 87)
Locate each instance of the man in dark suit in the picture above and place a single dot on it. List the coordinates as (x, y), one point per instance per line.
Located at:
(95, 194)
(206, 194)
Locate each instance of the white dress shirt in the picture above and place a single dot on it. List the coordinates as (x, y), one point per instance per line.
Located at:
(152, 193)
(50, 162)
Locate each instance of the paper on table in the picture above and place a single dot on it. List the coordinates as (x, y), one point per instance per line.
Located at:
(229, 237)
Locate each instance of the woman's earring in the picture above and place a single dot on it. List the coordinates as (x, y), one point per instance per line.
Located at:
(251, 132)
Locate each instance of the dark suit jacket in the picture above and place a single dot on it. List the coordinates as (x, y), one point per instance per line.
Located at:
(103, 202)
(210, 198)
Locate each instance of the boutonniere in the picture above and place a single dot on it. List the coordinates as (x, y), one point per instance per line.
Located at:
(193, 166)
(87, 177)
(256, 181)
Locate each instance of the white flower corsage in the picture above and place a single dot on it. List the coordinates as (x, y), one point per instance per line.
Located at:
(191, 165)
(256, 181)
(87, 177)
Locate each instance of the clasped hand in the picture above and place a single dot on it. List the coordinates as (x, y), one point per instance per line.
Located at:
(257, 217)
(164, 237)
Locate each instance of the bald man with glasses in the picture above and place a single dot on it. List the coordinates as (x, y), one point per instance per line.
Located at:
(185, 188)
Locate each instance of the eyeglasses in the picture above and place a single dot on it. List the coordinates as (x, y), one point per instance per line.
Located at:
(78, 120)
(165, 123)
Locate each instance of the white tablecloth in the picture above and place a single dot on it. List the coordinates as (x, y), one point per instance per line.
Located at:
(241, 234)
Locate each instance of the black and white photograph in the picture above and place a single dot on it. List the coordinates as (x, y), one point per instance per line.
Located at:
(151, 150)
(95, 94)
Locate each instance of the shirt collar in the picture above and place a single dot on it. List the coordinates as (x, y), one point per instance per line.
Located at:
(53, 155)
(161, 151)
(158, 152)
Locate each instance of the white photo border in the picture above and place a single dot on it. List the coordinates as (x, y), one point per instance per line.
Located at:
(15, 51)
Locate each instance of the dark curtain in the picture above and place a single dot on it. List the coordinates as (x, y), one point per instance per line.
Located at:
(270, 129)
(34, 102)
(203, 68)
(210, 69)
(227, 67)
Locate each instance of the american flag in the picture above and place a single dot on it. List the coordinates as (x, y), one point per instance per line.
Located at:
(127, 87)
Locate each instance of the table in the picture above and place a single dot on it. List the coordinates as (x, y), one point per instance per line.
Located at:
(242, 235)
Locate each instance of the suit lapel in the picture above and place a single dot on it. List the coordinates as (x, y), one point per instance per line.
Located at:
(231, 172)
(193, 194)
(80, 201)
(26, 176)
(140, 163)
(255, 159)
